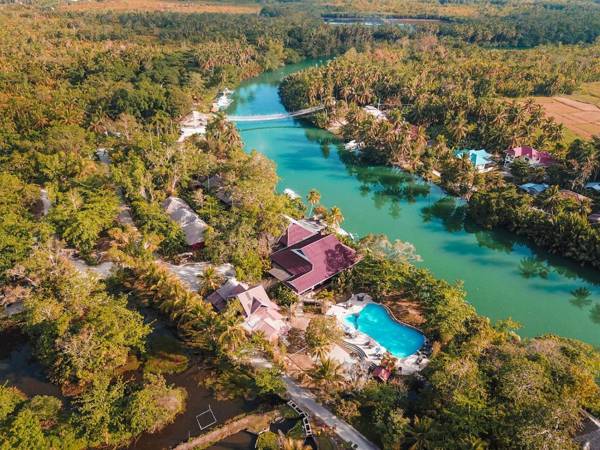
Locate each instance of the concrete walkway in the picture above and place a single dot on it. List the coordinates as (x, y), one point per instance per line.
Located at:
(307, 402)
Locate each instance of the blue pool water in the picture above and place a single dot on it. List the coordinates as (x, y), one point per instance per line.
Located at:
(375, 321)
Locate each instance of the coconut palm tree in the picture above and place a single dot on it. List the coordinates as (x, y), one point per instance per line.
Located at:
(328, 373)
(210, 280)
(418, 435)
(335, 216)
(550, 200)
(313, 197)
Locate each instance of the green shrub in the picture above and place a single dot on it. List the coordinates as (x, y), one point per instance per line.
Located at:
(267, 441)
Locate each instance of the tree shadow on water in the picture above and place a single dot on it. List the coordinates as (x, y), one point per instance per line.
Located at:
(448, 211)
(494, 241)
(580, 297)
(531, 267)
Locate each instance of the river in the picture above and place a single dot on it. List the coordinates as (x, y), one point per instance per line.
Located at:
(503, 275)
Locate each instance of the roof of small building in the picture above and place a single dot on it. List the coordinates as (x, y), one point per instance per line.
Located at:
(375, 112)
(295, 233)
(594, 218)
(589, 436)
(260, 313)
(382, 373)
(534, 187)
(594, 185)
(219, 298)
(565, 193)
(544, 158)
(477, 157)
(180, 212)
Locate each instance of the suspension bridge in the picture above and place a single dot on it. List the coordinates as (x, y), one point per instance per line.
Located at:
(280, 116)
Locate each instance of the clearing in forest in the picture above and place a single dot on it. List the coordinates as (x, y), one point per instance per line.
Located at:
(583, 119)
(162, 5)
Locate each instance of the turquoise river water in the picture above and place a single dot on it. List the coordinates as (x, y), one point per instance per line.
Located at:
(503, 275)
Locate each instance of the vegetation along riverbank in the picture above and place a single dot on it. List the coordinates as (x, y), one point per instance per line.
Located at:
(435, 101)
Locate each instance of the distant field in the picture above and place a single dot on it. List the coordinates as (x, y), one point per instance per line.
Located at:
(579, 117)
(399, 7)
(161, 5)
(589, 93)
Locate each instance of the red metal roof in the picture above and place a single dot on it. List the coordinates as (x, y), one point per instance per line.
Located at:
(295, 233)
(544, 158)
(314, 260)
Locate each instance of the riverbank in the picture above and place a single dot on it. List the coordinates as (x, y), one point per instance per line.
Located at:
(383, 200)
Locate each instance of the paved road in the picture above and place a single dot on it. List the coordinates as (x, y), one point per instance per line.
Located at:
(307, 402)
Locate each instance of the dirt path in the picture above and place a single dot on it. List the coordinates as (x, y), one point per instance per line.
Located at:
(253, 421)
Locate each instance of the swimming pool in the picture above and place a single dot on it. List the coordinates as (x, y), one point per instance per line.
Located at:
(375, 321)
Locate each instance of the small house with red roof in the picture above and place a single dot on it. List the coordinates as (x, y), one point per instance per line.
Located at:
(530, 155)
(260, 313)
(307, 258)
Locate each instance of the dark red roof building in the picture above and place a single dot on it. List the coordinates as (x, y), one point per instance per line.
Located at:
(309, 258)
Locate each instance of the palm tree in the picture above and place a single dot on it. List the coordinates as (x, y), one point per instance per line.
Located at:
(313, 197)
(231, 337)
(321, 351)
(335, 216)
(210, 280)
(418, 435)
(327, 374)
(459, 128)
(550, 200)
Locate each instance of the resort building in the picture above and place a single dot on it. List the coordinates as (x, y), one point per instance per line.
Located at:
(308, 258)
(570, 195)
(594, 219)
(216, 186)
(534, 188)
(194, 123)
(223, 100)
(260, 313)
(353, 146)
(193, 227)
(375, 112)
(481, 159)
(593, 186)
(529, 154)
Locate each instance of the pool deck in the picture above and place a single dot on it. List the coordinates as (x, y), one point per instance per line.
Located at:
(373, 350)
